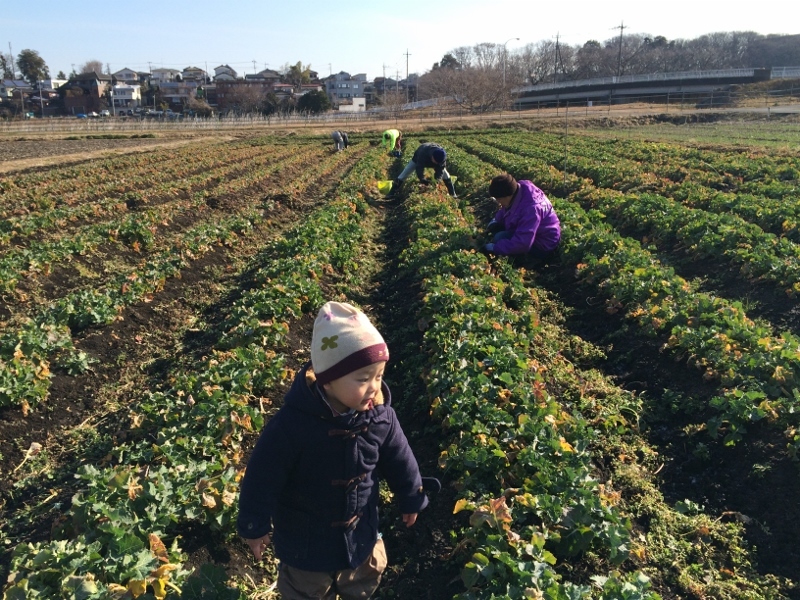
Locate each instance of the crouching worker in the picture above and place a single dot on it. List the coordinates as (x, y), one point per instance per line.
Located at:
(427, 155)
(392, 141)
(311, 485)
(525, 223)
(339, 140)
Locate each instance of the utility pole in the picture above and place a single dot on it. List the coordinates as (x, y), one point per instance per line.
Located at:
(254, 67)
(555, 62)
(407, 55)
(619, 56)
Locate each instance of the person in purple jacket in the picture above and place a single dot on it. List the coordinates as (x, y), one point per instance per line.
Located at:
(526, 222)
(311, 484)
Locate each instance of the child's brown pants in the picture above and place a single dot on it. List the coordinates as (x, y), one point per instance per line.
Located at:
(351, 584)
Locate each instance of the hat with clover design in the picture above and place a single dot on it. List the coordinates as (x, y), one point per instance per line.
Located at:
(344, 341)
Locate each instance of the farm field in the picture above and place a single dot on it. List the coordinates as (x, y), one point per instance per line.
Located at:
(621, 422)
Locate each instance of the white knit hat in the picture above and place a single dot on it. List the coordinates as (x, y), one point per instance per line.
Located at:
(344, 341)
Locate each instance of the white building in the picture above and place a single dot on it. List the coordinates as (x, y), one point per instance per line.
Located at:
(162, 75)
(127, 95)
(224, 73)
(359, 104)
(51, 85)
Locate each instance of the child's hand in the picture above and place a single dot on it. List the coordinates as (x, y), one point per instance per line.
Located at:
(409, 520)
(259, 545)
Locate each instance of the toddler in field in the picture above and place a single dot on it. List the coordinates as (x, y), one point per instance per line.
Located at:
(311, 485)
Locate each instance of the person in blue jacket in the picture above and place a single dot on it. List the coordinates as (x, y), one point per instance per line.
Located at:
(311, 484)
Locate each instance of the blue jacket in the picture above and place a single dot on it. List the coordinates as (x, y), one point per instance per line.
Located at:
(312, 480)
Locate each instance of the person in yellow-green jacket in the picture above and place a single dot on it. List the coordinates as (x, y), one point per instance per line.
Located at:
(392, 141)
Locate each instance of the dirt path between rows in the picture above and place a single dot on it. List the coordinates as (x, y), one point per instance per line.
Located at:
(20, 155)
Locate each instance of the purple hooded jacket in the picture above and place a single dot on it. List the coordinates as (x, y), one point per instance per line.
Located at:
(531, 220)
(312, 480)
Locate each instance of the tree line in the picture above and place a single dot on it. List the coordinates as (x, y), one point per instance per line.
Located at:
(479, 77)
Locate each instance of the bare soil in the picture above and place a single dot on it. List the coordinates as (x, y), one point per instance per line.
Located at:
(22, 153)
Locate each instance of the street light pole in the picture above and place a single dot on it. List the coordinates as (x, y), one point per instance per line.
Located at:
(505, 53)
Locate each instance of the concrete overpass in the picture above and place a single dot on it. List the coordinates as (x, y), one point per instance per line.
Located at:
(688, 85)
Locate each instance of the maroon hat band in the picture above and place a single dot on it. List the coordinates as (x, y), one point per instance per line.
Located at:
(358, 360)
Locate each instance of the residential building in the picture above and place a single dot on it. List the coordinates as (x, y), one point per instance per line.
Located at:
(343, 87)
(130, 76)
(231, 93)
(265, 75)
(224, 73)
(194, 74)
(177, 93)
(283, 90)
(354, 105)
(10, 88)
(127, 96)
(50, 85)
(159, 76)
(310, 87)
(85, 92)
(207, 93)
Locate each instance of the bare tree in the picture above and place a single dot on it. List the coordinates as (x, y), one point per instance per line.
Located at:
(92, 66)
(774, 50)
(593, 60)
(543, 62)
(463, 55)
(245, 99)
(392, 101)
(476, 90)
(488, 56)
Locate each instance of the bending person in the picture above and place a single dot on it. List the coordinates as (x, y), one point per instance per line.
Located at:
(391, 141)
(525, 223)
(427, 155)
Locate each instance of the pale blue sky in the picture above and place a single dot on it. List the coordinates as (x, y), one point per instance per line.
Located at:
(359, 36)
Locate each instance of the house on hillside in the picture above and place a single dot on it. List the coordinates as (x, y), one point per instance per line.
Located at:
(265, 75)
(85, 92)
(130, 76)
(50, 85)
(283, 90)
(12, 88)
(194, 74)
(159, 76)
(224, 73)
(178, 93)
(127, 96)
(309, 87)
(231, 94)
(342, 87)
